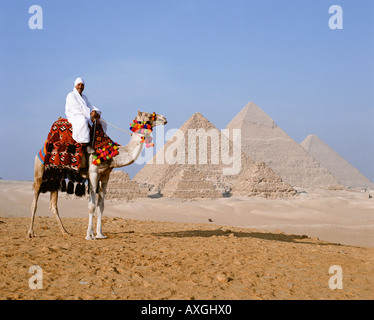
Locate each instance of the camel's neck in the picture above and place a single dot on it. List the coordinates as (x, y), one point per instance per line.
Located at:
(129, 153)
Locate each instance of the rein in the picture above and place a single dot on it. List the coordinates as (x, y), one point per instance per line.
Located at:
(116, 127)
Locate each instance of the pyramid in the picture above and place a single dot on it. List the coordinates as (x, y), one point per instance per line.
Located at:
(342, 170)
(162, 176)
(190, 183)
(121, 187)
(263, 140)
(262, 181)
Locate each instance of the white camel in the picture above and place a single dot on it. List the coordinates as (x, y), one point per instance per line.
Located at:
(98, 176)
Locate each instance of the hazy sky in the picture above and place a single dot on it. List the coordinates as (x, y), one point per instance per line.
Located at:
(178, 57)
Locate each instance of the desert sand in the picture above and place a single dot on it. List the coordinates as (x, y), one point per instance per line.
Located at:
(165, 248)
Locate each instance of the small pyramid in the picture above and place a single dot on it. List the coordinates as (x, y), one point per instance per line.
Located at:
(121, 187)
(263, 140)
(342, 170)
(190, 183)
(264, 182)
(159, 175)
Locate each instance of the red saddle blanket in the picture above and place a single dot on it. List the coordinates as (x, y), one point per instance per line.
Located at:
(60, 150)
(62, 156)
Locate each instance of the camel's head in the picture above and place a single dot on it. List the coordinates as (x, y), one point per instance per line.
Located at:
(152, 118)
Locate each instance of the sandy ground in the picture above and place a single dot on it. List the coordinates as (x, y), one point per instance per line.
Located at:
(168, 249)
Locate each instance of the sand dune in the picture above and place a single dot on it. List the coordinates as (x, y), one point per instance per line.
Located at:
(168, 249)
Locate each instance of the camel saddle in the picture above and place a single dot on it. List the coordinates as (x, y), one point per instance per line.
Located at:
(62, 156)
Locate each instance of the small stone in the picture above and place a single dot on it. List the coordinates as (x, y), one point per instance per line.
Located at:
(221, 277)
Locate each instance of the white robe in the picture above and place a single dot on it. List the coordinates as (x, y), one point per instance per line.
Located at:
(78, 112)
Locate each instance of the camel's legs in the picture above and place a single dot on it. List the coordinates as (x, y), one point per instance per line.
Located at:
(34, 206)
(54, 209)
(38, 180)
(102, 191)
(91, 204)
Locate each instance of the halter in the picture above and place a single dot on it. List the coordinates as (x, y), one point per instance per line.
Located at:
(145, 129)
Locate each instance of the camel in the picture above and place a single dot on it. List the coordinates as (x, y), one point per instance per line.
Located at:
(97, 175)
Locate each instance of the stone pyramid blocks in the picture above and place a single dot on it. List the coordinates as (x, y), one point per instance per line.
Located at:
(263, 140)
(121, 187)
(179, 179)
(341, 169)
(190, 183)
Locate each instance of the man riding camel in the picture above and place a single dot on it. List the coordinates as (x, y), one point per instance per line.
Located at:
(81, 114)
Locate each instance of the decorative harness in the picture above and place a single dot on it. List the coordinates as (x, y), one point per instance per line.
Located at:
(144, 128)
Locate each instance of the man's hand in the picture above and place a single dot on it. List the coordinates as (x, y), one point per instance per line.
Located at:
(95, 115)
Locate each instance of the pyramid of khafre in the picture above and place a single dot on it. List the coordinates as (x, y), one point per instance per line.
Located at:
(121, 187)
(263, 140)
(342, 170)
(199, 146)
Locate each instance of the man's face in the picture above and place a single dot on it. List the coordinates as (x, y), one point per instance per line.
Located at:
(80, 87)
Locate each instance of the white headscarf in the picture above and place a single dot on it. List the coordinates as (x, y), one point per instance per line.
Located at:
(78, 80)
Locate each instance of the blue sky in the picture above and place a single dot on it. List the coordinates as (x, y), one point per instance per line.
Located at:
(178, 57)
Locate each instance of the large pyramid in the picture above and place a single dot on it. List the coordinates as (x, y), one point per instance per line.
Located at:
(263, 140)
(342, 170)
(163, 175)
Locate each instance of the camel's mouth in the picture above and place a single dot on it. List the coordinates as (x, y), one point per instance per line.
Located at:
(161, 120)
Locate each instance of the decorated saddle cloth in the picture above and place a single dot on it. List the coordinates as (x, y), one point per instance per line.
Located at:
(105, 148)
(62, 155)
(60, 150)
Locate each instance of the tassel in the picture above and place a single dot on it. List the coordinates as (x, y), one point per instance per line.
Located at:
(55, 184)
(48, 185)
(78, 192)
(70, 188)
(43, 187)
(63, 185)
